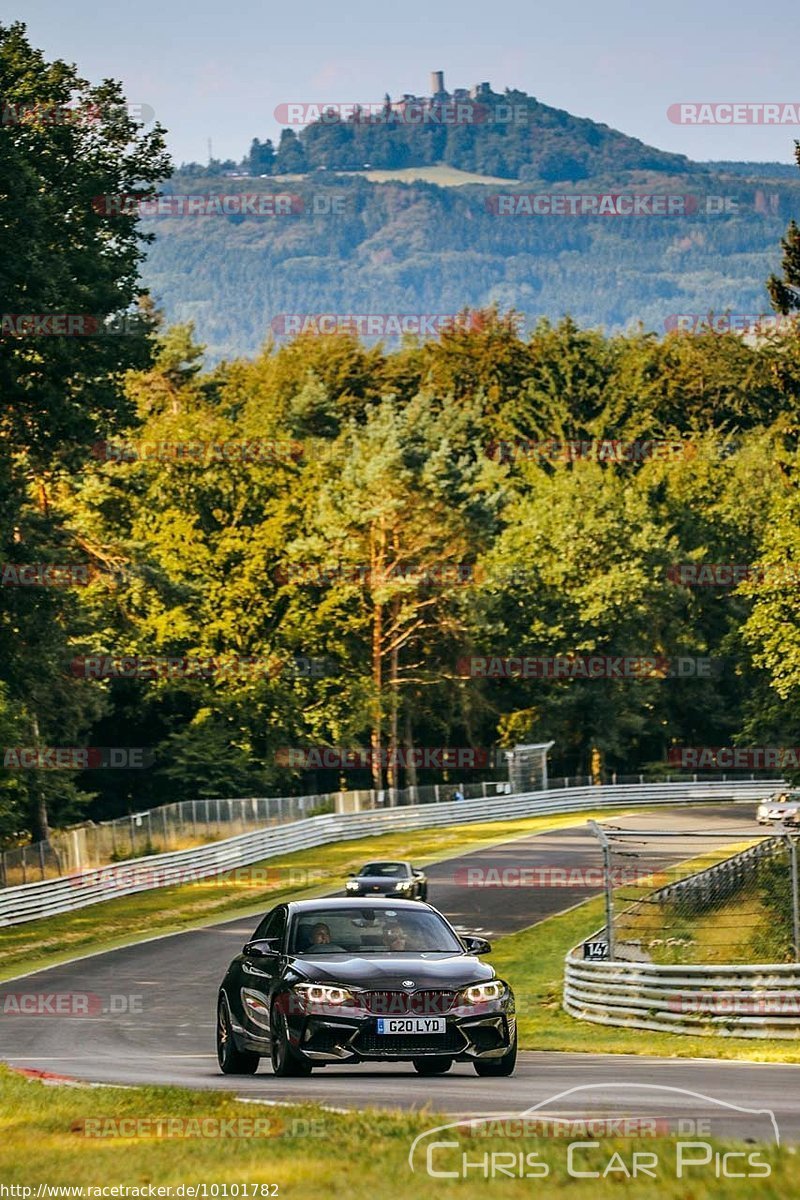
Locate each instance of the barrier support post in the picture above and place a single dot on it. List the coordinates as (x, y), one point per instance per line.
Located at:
(600, 834)
(795, 898)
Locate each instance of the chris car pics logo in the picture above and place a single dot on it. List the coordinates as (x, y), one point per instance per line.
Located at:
(689, 1143)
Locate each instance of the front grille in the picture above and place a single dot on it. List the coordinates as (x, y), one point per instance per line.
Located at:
(450, 1042)
(426, 1003)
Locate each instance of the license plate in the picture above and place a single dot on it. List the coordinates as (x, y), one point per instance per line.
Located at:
(412, 1025)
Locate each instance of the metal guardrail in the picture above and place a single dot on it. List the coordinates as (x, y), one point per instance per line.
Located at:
(189, 823)
(30, 901)
(755, 1000)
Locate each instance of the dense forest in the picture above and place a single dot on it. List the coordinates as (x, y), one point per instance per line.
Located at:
(325, 544)
(348, 246)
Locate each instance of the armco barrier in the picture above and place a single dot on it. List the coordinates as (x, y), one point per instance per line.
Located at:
(70, 892)
(754, 1001)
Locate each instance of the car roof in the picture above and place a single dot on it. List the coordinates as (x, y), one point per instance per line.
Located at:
(345, 902)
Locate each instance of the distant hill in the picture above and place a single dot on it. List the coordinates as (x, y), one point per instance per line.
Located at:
(510, 134)
(420, 230)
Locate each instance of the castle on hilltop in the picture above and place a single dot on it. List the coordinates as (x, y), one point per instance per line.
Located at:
(439, 94)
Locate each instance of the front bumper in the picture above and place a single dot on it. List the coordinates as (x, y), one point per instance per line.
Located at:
(469, 1036)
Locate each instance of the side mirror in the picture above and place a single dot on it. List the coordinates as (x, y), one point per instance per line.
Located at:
(416, 873)
(476, 945)
(261, 947)
(351, 874)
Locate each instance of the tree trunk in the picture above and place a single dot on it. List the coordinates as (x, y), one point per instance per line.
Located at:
(41, 823)
(377, 560)
(391, 770)
(411, 763)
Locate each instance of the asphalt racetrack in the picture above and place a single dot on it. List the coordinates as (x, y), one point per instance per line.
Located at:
(163, 996)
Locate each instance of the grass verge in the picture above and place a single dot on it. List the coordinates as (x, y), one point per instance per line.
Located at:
(48, 1136)
(248, 890)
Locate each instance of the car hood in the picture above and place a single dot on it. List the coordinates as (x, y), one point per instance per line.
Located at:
(377, 971)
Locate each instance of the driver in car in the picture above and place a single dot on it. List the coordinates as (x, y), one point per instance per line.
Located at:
(396, 939)
(320, 934)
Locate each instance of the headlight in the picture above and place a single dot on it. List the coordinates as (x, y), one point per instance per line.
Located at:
(324, 993)
(405, 885)
(479, 993)
(352, 885)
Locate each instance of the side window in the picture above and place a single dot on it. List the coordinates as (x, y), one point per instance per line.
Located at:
(273, 925)
(268, 924)
(279, 928)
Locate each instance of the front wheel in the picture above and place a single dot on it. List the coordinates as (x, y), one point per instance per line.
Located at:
(498, 1066)
(432, 1066)
(232, 1061)
(285, 1061)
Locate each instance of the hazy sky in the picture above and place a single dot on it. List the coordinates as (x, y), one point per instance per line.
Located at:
(218, 70)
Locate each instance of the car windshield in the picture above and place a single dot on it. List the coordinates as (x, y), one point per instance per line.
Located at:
(366, 930)
(389, 869)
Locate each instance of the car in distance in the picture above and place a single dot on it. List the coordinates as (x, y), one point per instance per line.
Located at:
(388, 879)
(347, 980)
(784, 807)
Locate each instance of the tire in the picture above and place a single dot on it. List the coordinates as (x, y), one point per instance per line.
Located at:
(498, 1066)
(432, 1066)
(231, 1060)
(284, 1059)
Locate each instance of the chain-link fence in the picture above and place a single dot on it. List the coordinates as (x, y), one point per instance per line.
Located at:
(700, 896)
(195, 822)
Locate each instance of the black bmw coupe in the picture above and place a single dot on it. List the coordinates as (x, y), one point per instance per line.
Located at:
(349, 981)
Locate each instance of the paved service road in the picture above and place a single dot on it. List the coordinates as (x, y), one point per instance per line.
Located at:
(151, 1005)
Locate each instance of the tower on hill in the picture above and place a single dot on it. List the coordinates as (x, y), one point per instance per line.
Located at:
(437, 84)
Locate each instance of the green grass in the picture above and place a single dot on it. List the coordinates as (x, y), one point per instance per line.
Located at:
(250, 890)
(314, 1154)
